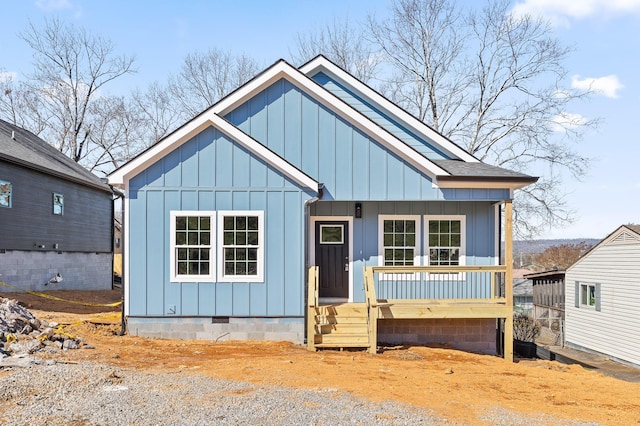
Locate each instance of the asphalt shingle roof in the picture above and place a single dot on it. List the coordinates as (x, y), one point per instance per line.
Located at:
(22, 147)
(481, 171)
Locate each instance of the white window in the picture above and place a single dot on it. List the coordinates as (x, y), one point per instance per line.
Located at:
(399, 240)
(192, 234)
(241, 246)
(445, 240)
(5, 194)
(588, 295)
(58, 204)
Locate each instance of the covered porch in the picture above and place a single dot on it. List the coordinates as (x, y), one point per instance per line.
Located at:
(454, 292)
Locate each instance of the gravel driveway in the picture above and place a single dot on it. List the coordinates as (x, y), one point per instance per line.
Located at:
(47, 393)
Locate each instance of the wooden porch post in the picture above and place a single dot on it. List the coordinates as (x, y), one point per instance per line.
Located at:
(508, 278)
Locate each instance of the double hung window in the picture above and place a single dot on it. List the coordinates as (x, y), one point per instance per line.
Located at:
(224, 246)
(445, 240)
(191, 246)
(241, 245)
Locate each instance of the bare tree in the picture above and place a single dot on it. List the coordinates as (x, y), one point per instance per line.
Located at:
(118, 133)
(561, 256)
(70, 67)
(157, 110)
(493, 83)
(207, 77)
(347, 46)
(21, 106)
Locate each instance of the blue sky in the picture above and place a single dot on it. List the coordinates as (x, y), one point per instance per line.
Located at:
(604, 34)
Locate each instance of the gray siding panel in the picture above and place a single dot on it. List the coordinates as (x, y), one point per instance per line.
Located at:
(85, 226)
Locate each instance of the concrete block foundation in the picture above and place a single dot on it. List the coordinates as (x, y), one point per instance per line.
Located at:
(30, 270)
(219, 329)
(473, 335)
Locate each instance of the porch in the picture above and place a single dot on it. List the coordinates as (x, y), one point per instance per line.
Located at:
(411, 292)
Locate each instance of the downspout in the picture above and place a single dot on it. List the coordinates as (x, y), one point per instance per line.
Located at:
(307, 216)
(119, 194)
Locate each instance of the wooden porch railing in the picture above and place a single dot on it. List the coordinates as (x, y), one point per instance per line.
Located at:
(438, 292)
(312, 304)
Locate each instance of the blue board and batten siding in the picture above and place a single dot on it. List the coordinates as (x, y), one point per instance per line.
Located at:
(479, 244)
(398, 129)
(211, 172)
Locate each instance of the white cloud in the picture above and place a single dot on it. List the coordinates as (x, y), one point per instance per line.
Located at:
(565, 121)
(607, 86)
(561, 12)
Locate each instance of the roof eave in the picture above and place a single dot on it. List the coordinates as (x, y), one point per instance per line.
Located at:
(485, 182)
(49, 172)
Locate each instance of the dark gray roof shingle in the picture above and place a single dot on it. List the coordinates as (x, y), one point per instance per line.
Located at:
(28, 150)
(461, 170)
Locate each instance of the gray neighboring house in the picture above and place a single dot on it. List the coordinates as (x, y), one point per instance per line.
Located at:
(55, 218)
(602, 313)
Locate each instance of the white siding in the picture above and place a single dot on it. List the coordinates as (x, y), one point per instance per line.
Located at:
(615, 329)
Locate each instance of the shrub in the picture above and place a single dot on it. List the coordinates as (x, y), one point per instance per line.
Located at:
(525, 328)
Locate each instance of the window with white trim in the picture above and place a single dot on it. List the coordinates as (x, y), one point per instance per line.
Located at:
(5, 194)
(399, 240)
(445, 240)
(241, 246)
(192, 241)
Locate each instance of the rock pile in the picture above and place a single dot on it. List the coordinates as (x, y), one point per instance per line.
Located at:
(22, 333)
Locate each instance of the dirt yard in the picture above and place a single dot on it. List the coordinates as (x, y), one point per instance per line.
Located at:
(456, 385)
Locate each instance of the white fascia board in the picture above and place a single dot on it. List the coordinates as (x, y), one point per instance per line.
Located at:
(263, 152)
(194, 127)
(335, 104)
(321, 63)
(279, 70)
(482, 184)
(159, 150)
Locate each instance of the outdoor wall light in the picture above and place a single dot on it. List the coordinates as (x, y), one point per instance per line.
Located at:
(358, 210)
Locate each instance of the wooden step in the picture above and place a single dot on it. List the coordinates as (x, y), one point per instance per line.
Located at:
(342, 339)
(340, 319)
(334, 345)
(342, 328)
(343, 310)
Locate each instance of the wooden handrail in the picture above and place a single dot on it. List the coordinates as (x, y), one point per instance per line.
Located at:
(312, 303)
(372, 309)
(437, 269)
(313, 287)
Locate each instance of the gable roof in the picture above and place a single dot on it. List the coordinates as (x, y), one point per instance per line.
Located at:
(282, 70)
(197, 125)
(624, 234)
(21, 147)
(322, 64)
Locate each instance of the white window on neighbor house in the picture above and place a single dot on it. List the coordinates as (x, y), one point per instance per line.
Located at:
(399, 240)
(445, 240)
(58, 204)
(192, 242)
(241, 246)
(588, 295)
(5, 194)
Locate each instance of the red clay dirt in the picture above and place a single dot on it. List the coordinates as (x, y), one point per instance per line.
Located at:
(457, 385)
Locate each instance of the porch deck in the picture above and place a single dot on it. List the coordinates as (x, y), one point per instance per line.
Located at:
(482, 292)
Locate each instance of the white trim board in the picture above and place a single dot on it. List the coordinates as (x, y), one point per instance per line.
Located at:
(321, 63)
(280, 70)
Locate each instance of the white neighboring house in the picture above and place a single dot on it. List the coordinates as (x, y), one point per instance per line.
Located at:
(603, 298)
